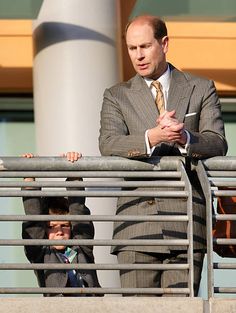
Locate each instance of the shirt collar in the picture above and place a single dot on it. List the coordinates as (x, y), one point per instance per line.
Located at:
(164, 79)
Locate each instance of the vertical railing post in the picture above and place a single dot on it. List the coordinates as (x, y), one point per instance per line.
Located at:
(189, 227)
(206, 187)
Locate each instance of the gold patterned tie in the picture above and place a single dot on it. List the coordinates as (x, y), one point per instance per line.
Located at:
(160, 103)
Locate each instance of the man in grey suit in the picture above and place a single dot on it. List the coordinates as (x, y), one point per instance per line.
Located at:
(132, 127)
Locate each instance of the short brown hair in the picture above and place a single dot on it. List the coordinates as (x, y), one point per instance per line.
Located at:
(157, 24)
(57, 205)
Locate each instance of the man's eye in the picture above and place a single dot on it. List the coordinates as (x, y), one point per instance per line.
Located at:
(146, 46)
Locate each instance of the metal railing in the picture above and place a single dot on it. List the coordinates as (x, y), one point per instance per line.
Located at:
(213, 174)
(164, 173)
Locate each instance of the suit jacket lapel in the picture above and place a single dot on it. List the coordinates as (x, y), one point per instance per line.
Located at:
(143, 102)
(179, 93)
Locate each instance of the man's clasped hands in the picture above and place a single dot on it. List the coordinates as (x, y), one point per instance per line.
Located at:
(168, 129)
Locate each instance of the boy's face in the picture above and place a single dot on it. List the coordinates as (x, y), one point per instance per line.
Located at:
(58, 230)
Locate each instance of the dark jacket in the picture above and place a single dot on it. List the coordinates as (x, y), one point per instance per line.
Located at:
(48, 254)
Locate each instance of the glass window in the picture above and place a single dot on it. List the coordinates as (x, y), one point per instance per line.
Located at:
(17, 133)
(229, 116)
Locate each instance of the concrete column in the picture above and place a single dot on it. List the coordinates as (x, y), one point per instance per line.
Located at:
(75, 60)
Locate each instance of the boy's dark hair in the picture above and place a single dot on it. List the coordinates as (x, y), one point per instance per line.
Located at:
(56, 205)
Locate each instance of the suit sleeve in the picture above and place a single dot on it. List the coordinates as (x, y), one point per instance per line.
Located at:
(33, 229)
(115, 138)
(209, 139)
(81, 229)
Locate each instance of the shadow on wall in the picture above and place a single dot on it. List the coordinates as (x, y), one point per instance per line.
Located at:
(50, 33)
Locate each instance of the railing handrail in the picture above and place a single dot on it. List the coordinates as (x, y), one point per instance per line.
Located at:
(89, 163)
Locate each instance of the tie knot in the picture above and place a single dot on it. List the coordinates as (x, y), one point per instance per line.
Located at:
(157, 85)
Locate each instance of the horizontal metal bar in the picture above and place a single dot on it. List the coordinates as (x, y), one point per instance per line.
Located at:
(94, 174)
(97, 184)
(223, 183)
(224, 289)
(91, 266)
(224, 241)
(225, 163)
(88, 193)
(226, 266)
(96, 218)
(225, 217)
(221, 173)
(223, 193)
(69, 290)
(90, 163)
(96, 242)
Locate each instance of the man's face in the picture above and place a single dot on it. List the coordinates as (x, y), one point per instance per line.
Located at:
(148, 55)
(58, 230)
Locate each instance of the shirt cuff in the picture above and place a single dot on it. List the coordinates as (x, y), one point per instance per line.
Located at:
(148, 148)
(183, 150)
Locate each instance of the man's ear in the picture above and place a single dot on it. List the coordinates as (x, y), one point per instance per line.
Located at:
(165, 43)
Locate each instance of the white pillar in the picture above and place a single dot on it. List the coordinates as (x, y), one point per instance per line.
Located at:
(75, 60)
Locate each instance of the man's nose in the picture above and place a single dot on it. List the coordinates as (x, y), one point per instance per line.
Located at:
(139, 53)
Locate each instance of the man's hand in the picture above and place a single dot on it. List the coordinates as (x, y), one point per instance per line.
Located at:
(166, 119)
(168, 129)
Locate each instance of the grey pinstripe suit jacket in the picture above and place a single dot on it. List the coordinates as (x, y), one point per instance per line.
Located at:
(128, 111)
